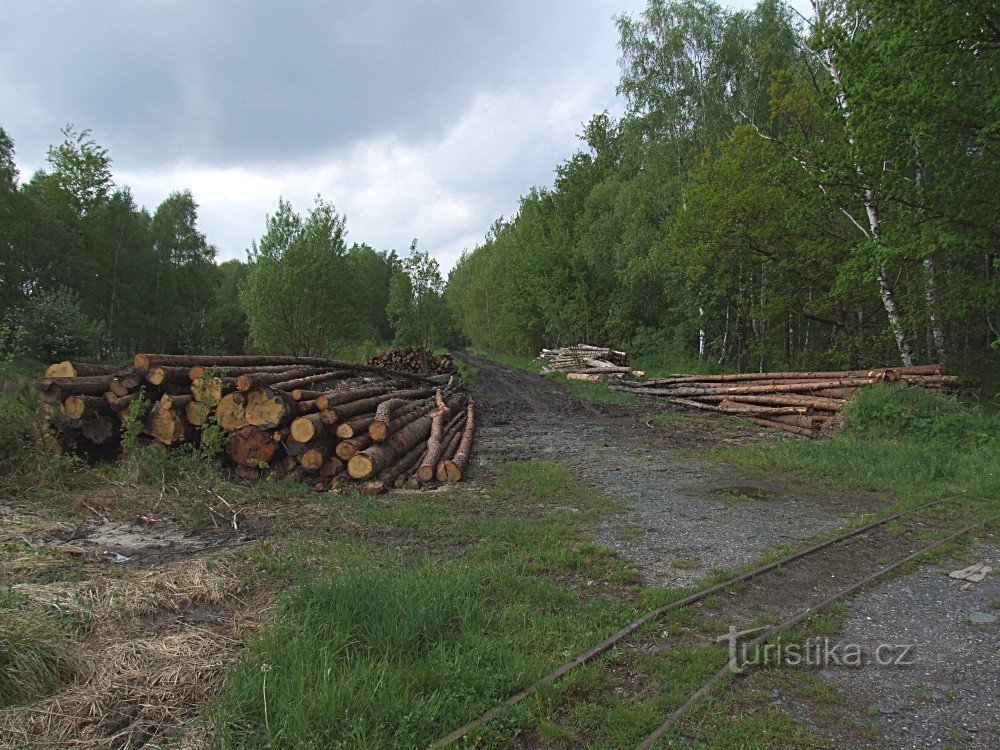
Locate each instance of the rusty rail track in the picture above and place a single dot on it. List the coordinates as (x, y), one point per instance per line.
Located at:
(617, 637)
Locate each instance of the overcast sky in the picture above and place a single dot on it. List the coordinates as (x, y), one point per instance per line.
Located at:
(416, 119)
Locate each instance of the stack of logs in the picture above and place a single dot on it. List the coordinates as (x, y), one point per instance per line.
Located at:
(799, 402)
(585, 362)
(324, 421)
(413, 359)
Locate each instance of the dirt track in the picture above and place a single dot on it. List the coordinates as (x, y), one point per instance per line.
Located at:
(686, 514)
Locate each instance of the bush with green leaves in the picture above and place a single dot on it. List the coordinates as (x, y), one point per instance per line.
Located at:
(915, 414)
(51, 326)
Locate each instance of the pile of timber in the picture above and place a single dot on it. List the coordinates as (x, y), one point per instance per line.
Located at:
(799, 402)
(325, 421)
(585, 362)
(414, 359)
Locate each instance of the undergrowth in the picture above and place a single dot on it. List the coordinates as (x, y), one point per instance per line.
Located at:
(909, 442)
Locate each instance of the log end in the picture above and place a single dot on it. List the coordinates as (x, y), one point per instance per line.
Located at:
(360, 466)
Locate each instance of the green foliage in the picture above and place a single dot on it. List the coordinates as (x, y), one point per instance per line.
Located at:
(917, 414)
(212, 440)
(52, 326)
(133, 421)
(15, 429)
(721, 223)
(914, 444)
(305, 292)
(416, 308)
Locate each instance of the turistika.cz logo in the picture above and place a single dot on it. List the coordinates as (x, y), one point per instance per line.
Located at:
(813, 652)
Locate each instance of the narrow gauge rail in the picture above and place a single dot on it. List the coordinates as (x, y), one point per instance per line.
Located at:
(624, 633)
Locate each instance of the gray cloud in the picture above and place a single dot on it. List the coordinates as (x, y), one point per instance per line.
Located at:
(224, 83)
(418, 119)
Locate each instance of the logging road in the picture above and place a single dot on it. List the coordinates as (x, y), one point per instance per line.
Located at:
(685, 514)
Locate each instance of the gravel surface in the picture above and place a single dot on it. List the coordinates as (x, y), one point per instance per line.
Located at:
(684, 516)
(948, 697)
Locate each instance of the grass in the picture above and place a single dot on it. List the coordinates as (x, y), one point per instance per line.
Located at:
(36, 654)
(916, 445)
(396, 649)
(598, 392)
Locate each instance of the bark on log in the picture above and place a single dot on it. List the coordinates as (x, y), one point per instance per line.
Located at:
(175, 402)
(454, 469)
(347, 448)
(311, 380)
(435, 444)
(116, 403)
(377, 458)
(355, 427)
(806, 387)
(68, 369)
(330, 399)
(246, 383)
(452, 438)
(781, 426)
(353, 408)
(96, 385)
(164, 374)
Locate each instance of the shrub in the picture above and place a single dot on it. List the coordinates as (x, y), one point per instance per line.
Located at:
(52, 326)
(919, 415)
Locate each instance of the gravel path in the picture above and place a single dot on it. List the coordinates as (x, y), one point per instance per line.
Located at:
(684, 516)
(949, 697)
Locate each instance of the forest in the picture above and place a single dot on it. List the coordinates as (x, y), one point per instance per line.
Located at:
(85, 272)
(780, 192)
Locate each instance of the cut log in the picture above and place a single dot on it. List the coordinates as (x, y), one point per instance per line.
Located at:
(163, 374)
(67, 369)
(376, 458)
(97, 429)
(197, 412)
(246, 383)
(168, 426)
(96, 385)
(231, 412)
(116, 403)
(322, 376)
(353, 408)
(76, 407)
(454, 469)
(330, 467)
(175, 402)
(270, 409)
(210, 389)
(345, 395)
(315, 456)
(251, 446)
(308, 428)
(381, 430)
(347, 448)
(451, 440)
(435, 444)
(356, 426)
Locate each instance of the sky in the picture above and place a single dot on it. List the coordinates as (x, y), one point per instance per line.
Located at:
(423, 120)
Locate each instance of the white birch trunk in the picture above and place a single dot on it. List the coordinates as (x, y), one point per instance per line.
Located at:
(871, 207)
(701, 333)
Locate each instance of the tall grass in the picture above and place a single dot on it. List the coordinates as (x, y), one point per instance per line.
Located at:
(35, 652)
(909, 442)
